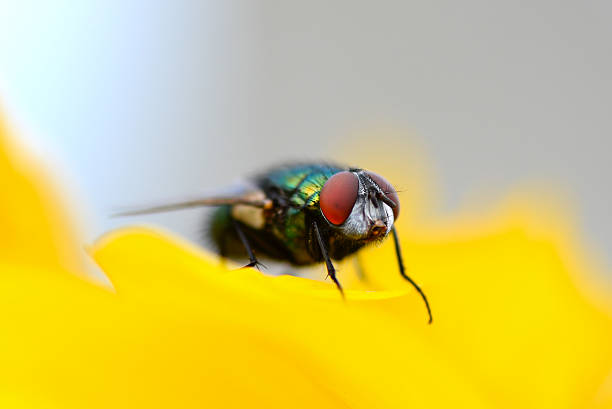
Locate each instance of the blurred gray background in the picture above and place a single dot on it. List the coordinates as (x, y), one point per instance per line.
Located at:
(143, 101)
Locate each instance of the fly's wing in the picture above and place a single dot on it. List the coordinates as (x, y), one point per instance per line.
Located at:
(248, 196)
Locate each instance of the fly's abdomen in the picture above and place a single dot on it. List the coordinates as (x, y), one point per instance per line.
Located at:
(292, 231)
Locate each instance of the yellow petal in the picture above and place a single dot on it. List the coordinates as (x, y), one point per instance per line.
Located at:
(71, 344)
(35, 228)
(362, 358)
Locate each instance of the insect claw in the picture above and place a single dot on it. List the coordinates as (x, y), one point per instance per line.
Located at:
(255, 264)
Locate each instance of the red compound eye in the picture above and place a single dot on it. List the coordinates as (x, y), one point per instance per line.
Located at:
(388, 189)
(338, 196)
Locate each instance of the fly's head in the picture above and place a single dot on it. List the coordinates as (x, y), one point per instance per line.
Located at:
(359, 204)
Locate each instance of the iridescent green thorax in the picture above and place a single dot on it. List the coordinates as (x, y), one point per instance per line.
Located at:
(305, 181)
(300, 186)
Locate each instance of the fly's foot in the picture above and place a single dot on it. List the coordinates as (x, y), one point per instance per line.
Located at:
(255, 264)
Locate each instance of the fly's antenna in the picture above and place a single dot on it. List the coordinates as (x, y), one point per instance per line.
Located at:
(387, 201)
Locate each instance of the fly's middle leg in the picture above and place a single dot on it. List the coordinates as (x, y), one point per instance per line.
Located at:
(331, 270)
(253, 262)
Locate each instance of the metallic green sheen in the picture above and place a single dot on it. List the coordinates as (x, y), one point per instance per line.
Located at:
(306, 181)
(310, 179)
(284, 235)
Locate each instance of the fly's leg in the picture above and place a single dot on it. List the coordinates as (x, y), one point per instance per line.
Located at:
(400, 262)
(361, 274)
(252, 259)
(223, 251)
(331, 271)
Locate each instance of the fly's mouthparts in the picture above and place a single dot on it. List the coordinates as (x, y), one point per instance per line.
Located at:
(379, 228)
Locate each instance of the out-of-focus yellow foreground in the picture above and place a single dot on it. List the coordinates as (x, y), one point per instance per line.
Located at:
(517, 320)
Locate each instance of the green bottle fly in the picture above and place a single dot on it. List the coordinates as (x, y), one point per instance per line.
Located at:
(303, 214)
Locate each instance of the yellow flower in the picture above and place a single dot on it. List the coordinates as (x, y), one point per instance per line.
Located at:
(519, 320)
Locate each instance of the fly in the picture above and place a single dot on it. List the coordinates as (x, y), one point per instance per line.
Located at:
(303, 214)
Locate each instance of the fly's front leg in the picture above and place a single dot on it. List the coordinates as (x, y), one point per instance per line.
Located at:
(331, 271)
(400, 262)
(253, 262)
